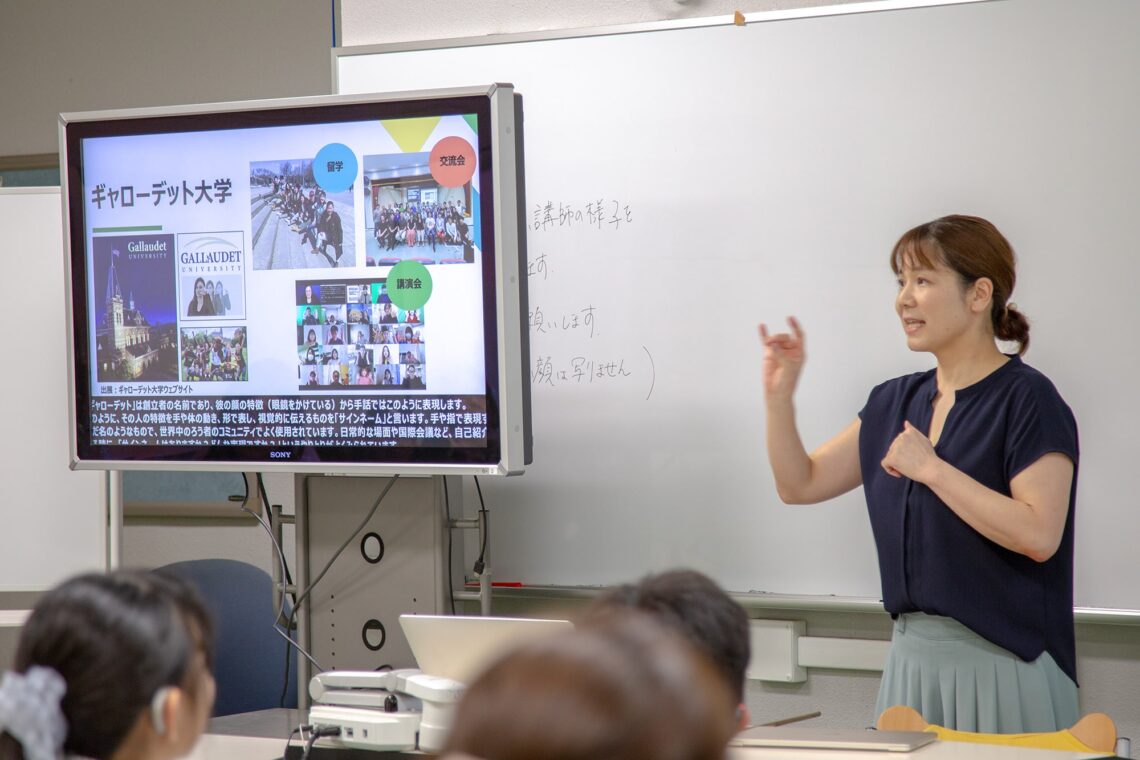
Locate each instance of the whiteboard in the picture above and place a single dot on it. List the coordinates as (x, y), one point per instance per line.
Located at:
(748, 173)
(54, 519)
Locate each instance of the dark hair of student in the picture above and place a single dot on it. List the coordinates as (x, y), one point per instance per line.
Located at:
(626, 688)
(972, 247)
(116, 639)
(697, 608)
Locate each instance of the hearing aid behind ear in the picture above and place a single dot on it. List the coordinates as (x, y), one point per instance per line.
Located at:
(157, 703)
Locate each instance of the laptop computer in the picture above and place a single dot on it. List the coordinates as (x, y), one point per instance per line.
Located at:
(458, 647)
(832, 738)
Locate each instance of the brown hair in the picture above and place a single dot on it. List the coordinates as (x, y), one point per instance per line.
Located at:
(625, 688)
(694, 606)
(973, 248)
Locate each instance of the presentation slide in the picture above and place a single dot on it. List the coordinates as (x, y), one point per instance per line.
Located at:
(313, 284)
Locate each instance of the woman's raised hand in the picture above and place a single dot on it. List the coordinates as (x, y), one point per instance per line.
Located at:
(784, 357)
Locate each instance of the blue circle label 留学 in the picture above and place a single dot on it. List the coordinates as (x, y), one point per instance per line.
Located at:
(335, 168)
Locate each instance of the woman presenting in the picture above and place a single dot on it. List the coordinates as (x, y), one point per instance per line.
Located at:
(969, 471)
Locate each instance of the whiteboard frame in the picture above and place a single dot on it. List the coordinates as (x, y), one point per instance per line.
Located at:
(759, 601)
(872, 6)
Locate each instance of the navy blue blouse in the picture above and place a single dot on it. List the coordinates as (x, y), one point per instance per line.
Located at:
(930, 560)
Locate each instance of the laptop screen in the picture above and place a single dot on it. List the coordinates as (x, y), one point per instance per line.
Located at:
(456, 647)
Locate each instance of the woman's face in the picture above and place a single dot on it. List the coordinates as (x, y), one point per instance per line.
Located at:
(385, 355)
(210, 287)
(312, 336)
(335, 355)
(387, 375)
(936, 311)
(199, 287)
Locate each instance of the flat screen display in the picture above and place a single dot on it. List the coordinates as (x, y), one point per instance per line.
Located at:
(313, 284)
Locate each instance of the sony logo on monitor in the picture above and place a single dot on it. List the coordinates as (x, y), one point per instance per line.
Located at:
(280, 454)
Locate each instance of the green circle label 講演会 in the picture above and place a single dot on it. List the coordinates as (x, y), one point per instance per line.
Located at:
(409, 285)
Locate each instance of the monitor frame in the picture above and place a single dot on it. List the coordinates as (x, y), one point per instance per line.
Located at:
(505, 295)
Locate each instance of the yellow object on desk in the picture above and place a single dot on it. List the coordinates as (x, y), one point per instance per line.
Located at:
(1093, 733)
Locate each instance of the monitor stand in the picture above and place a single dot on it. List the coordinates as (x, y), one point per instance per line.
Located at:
(396, 564)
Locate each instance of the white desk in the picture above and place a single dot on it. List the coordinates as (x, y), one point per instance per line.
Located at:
(935, 751)
(221, 747)
(261, 736)
(13, 618)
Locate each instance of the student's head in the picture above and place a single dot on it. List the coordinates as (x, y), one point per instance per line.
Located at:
(199, 287)
(308, 312)
(311, 337)
(979, 255)
(335, 354)
(308, 294)
(624, 690)
(387, 376)
(385, 355)
(124, 662)
(410, 371)
(408, 335)
(333, 331)
(209, 286)
(313, 377)
(335, 377)
(697, 608)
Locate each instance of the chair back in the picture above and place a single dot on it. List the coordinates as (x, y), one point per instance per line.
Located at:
(251, 659)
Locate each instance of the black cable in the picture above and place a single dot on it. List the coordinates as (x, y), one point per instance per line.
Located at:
(450, 537)
(347, 541)
(305, 594)
(317, 733)
(299, 729)
(265, 502)
(287, 578)
(480, 563)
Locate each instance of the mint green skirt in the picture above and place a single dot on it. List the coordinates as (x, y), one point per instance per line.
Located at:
(959, 680)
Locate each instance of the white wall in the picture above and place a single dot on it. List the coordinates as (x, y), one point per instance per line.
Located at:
(61, 56)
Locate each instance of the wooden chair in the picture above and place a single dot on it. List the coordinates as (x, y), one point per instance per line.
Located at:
(1096, 731)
